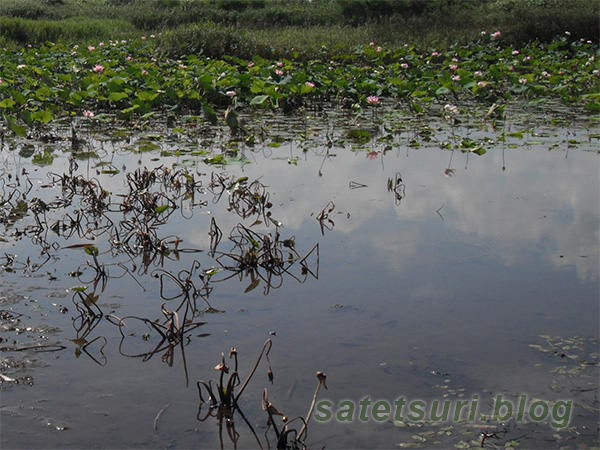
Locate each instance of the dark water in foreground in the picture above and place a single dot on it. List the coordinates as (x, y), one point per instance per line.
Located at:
(440, 275)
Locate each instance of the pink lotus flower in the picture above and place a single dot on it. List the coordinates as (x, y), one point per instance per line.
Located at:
(496, 33)
(372, 100)
(98, 68)
(279, 72)
(404, 65)
(309, 84)
(279, 64)
(455, 78)
(482, 84)
(451, 109)
(522, 80)
(378, 49)
(88, 114)
(372, 155)
(91, 48)
(453, 66)
(230, 93)
(144, 72)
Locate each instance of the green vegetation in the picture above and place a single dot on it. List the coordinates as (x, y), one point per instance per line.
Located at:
(339, 24)
(60, 62)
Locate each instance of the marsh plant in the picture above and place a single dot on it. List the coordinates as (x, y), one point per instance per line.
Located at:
(222, 397)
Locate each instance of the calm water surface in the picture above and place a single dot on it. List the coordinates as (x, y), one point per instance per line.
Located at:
(439, 275)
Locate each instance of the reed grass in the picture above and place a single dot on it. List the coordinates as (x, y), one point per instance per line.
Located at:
(299, 28)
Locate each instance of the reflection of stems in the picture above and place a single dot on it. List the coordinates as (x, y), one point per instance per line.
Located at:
(251, 428)
(156, 419)
(438, 211)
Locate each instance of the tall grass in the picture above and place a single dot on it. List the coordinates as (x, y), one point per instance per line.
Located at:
(294, 27)
(17, 31)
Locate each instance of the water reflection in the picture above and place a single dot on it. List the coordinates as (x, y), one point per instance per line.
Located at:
(401, 265)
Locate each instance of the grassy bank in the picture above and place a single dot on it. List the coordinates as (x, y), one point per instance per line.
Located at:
(277, 28)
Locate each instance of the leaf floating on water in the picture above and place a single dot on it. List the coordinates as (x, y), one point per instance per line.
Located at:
(77, 289)
(162, 208)
(227, 160)
(90, 250)
(517, 134)
(538, 347)
(217, 159)
(359, 135)
(213, 270)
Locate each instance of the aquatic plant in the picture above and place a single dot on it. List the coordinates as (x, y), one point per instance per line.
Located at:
(131, 79)
(222, 397)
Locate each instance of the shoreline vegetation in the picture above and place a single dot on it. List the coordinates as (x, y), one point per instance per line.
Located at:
(300, 28)
(132, 58)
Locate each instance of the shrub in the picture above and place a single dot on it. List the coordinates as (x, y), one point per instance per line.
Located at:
(24, 9)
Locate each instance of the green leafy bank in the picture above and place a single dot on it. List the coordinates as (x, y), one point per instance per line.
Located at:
(207, 69)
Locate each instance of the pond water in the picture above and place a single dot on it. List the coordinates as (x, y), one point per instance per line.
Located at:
(411, 264)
